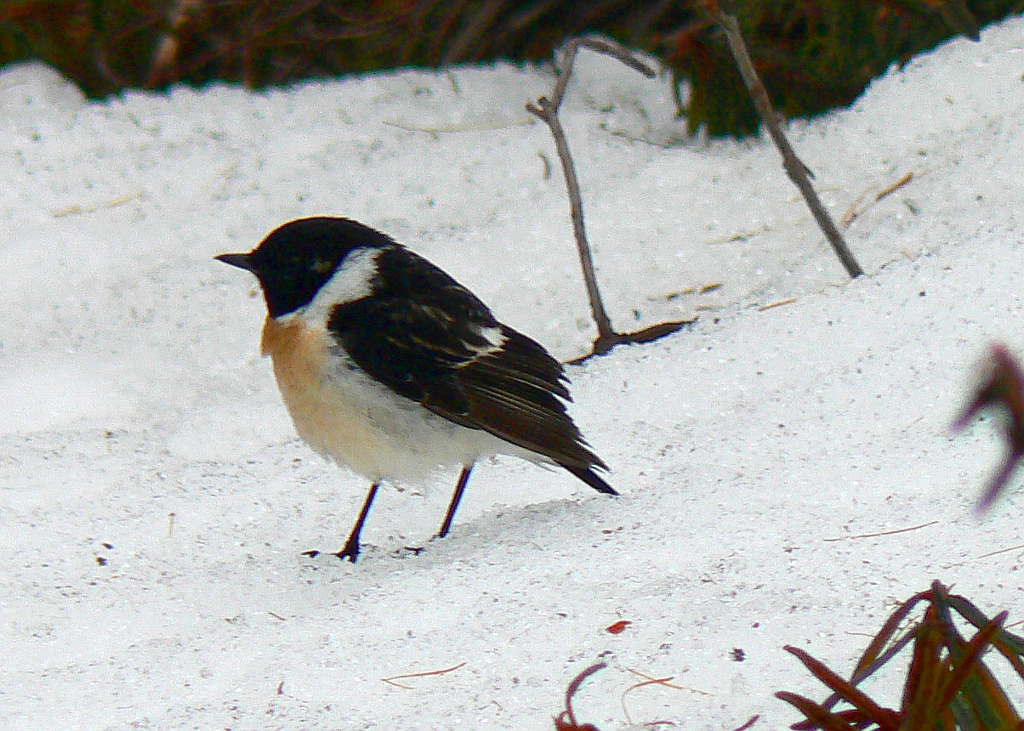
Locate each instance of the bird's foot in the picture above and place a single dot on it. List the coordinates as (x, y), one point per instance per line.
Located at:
(350, 552)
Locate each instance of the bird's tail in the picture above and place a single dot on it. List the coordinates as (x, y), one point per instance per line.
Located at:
(590, 477)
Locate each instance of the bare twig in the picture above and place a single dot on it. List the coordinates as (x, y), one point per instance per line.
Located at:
(856, 209)
(1001, 550)
(667, 684)
(393, 678)
(893, 532)
(777, 303)
(795, 169)
(648, 681)
(547, 111)
(451, 128)
(652, 681)
(895, 186)
(602, 45)
(661, 681)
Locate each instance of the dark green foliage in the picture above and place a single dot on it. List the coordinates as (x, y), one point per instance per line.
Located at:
(99, 44)
(812, 54)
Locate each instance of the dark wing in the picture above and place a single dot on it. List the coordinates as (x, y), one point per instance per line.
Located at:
(431, 340)
(516, 392)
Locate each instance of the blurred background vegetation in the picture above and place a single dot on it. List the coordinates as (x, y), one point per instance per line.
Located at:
(812, 54)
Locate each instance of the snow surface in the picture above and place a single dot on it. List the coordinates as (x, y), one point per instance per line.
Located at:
(155, 503)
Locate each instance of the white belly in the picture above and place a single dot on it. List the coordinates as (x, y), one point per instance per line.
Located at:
(348, 417)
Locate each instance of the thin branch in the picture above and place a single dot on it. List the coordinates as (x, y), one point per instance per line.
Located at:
(600, 45)
(883, 533)
(777, 303)
(425, 674)
(546, 110)
(795, 169)
(652, 681)
(452, 128)
(1001, 550)
(856, 209)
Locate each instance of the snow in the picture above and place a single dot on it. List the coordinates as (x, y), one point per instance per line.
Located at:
(155, 503)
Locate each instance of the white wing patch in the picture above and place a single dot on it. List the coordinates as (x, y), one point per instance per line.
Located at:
(494, 337)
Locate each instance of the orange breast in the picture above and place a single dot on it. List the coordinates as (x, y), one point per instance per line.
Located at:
(325, 416)
(299, 353)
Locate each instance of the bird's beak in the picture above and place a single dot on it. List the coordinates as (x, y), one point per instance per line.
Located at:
(242, 261)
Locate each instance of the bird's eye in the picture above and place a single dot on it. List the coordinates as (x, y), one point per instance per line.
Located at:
(322, 266)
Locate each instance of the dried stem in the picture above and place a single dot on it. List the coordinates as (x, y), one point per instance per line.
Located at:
(795, 169)
(547, 111)
(425, 674)
(571, 691)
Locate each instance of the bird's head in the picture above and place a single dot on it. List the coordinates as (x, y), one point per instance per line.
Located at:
(295, 261)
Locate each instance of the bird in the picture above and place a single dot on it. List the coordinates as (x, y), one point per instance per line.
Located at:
(391, 368)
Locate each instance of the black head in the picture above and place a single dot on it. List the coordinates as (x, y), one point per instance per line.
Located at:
(298, 258)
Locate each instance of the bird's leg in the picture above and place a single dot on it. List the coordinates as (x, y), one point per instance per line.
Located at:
(460, 487)
(351, 549)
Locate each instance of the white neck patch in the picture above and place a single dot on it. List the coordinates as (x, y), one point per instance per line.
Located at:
(350, 282)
